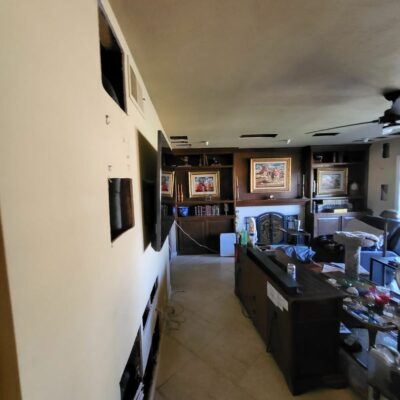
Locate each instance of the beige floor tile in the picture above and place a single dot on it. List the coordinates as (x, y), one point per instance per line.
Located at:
(215, 352)
(198, 381)
(194, 333)
(159, 396)
(244, 345)
(223, 362)
(172, 357)
(264, 380)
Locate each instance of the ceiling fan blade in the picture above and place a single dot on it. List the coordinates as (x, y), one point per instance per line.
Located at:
(343, 126)
(396, 107)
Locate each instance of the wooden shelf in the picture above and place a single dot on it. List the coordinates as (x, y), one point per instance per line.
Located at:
(347, 213)
(197, 168)
(197, 217)
(268, 202)
(202, 202)
(336, 164)
(338, 197)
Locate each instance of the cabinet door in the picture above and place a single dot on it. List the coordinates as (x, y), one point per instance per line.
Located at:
(214, 228)
(245, 283)
(326, 225)
(259, 300)
(197, 231)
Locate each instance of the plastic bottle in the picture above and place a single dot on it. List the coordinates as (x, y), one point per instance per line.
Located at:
(243, 237)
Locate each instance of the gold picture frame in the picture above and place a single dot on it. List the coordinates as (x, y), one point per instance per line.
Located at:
(167, 183)
(332, 181)
(204, 184)
(270, 175)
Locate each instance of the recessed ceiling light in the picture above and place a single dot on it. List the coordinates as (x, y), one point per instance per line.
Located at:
(326, 134)
(259, 135)
(178, 137)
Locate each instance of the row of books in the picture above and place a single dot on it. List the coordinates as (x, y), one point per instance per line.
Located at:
(329, 205)
(208, 210)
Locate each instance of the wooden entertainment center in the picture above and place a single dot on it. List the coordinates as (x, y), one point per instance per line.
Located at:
(233, 167)
(298, 319)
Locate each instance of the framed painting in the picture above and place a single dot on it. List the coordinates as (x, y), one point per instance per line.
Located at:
(167, 183)
(332, 181)
(203, 184)
(270, 175)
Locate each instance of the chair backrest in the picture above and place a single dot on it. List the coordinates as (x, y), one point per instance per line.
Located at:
(397, 276)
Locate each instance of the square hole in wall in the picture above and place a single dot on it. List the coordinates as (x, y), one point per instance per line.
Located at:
(135, 89)
(112, 62)
(131, 380)
(120, 206)
(384, 192)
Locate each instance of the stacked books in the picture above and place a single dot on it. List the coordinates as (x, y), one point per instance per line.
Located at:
(336, 206)
(209, 210)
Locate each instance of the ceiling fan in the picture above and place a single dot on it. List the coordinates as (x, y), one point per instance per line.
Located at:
(390, 118)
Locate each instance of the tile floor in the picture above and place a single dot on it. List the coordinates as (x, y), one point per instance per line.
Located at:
(209, 349)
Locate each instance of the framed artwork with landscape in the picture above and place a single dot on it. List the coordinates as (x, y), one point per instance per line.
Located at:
(331, 181)
(203, 184)
(270, 175)
(167, 183)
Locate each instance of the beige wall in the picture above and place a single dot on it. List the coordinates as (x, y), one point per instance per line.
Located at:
(382, 171)
(77, 300)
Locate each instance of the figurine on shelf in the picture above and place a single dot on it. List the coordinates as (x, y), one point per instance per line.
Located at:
(226, 208)
(185, 159)
(203, 160)
(215, 162)
(354, 188)
(318, 158)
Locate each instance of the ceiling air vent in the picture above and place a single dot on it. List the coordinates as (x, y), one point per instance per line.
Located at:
(259, 135)
(326, 134)
(178, 138)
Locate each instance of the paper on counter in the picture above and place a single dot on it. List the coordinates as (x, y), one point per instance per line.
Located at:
(277, 299)
(331, 268)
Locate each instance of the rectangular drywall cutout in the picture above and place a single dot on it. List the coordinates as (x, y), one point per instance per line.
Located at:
(386, 150)
(384, 192)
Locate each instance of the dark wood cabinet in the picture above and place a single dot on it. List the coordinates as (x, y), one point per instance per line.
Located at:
(196, 230)
(206, 217)
(329, 223)
(352, 198)
(251, 288)
(205, 230)
(302, 336)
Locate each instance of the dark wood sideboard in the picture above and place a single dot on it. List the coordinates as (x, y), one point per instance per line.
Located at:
(298, 319)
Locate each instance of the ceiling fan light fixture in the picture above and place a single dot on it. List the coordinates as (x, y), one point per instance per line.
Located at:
(390, 129)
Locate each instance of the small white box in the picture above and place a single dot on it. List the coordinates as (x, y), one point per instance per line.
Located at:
(227, 244)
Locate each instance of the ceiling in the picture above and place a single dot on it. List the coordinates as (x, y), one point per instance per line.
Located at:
(217, 69)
